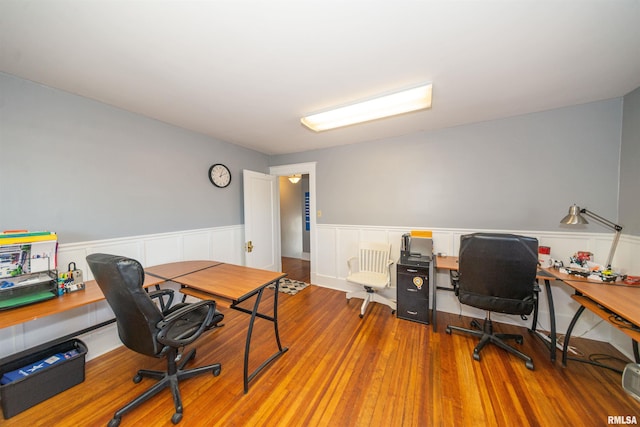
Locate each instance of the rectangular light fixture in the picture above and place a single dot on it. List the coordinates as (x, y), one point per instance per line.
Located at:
(417, 98)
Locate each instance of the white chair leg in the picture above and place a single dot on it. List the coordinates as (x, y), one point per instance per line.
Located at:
(365, 303)
(370, 297)
(356, 294)
(383, 300)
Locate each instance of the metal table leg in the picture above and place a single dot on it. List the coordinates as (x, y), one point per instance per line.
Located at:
(255, 313)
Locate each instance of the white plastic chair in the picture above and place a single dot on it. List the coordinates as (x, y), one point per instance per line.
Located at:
(373, 272)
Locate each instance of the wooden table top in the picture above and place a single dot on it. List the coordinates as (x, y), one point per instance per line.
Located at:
(447, 262)
(451, 263)
(229, 281)
(623, 300)
(91, 294)
(176, 269)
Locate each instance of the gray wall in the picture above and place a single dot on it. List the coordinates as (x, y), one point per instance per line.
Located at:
(629, 216)
(518, 173)
(89, 171)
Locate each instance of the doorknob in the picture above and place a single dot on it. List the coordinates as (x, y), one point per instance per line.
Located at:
(249, 246)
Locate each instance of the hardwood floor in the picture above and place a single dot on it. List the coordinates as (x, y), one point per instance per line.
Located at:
(297, 269)
(341, 370)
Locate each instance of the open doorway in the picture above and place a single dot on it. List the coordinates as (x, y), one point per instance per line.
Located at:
(295, 226)
(297, 246)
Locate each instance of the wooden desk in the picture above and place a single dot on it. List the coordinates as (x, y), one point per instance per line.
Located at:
(450, 263)
(89, 295)
(603, 299)
(232, 284)
(610, 302)
(176, 269)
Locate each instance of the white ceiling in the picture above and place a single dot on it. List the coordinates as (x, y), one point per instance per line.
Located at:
(246, 71)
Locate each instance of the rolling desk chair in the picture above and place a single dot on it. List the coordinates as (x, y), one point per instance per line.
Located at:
(145, 329)
(497, 273)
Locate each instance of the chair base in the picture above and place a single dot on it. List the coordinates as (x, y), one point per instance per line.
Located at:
(369, 295)
(174, 374)
(486, 335)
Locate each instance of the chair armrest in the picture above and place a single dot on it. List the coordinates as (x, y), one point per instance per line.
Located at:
(455, 278)
(536, 286)
(161, 294)
(166, 324)
(389, 264)
(349, 261)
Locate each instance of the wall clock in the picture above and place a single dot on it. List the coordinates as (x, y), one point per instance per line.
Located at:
(219, 175)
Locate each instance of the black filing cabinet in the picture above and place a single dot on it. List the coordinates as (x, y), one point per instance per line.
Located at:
(412, 288)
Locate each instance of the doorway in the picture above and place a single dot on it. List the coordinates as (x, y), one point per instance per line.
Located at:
(295, 228)
(297, 220)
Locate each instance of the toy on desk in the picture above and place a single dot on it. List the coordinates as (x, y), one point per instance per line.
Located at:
(581, 264)
(632, 280)
(71, 280)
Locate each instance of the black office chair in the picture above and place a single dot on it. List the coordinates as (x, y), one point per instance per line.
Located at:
(145, 328)
(497, 273)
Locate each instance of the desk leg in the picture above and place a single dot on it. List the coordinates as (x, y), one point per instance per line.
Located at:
(434, 288)
(551, 340)
(636, 354)
(565, 347)
(552, 319)
(254, 313)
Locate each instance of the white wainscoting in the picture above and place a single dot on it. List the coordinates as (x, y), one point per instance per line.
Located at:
(336, 243)
(220, 244)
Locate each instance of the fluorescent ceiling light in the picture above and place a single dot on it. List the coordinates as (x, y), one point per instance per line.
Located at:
(417, 98)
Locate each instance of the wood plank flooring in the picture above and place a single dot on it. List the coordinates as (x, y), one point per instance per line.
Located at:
(341, 370)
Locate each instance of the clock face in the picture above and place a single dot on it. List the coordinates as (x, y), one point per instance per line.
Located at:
(219, 175)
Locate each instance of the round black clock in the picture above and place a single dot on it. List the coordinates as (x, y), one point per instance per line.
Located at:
(219, 175)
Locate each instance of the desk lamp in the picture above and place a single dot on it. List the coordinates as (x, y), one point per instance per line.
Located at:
(575, 217)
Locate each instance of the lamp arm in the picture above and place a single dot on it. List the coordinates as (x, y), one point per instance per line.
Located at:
(613, 248)
(601, 220)
(611, 225)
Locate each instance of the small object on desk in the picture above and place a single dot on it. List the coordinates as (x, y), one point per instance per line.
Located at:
(544, 256)
(71, 280)
(632, 280)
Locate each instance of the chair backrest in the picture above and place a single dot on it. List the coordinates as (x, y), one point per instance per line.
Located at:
(120, 280)
(497, 272)
(373, 257)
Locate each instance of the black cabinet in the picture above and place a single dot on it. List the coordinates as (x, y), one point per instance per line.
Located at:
(413, 291)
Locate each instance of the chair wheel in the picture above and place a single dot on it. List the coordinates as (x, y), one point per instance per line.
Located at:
(216, 372)
(447, 330)
(136, 380)
(176, 418)
(519, 340)
(393, 312)
(115, 422)
(476, 356)
(361, 316)
(529, 365)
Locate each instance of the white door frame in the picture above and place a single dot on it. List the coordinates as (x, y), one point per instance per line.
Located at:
(308, 169)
